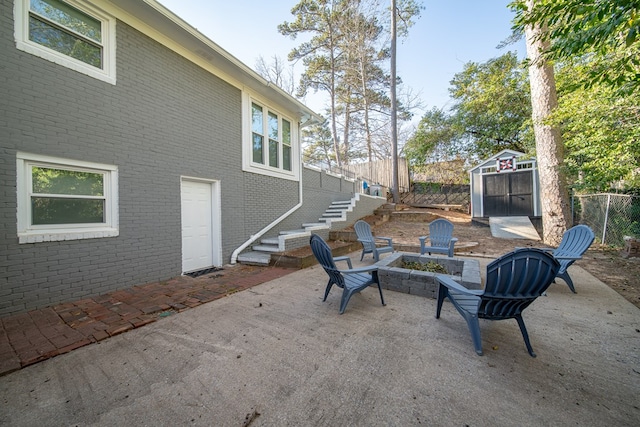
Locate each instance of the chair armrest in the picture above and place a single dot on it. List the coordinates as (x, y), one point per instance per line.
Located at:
(451, 284)
(568, 257)
(388, 239)
(367, 269)
(423, 238)
(454, 239)
(344, 258)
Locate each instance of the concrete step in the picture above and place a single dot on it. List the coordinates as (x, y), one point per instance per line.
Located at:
(314, 225)
(270, 241)
(266, 248)
(287, 232)
(260, 253)
(332, 215)
(255, 258)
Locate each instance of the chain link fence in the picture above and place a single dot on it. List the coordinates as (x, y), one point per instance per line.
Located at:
(610, 216)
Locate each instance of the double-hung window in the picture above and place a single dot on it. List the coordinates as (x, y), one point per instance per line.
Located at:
(271, 139)
(60, 199)
(68, 33)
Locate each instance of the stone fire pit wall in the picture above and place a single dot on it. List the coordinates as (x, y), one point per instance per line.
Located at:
(423, 283)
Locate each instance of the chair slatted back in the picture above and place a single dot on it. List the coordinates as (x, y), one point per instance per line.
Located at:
(322, 252)
(575, 241)
(363, 231)
(440, 232)
(515, 280)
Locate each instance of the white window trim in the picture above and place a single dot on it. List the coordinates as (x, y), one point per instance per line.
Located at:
(108, 71)
(248, 165)
(33, 234)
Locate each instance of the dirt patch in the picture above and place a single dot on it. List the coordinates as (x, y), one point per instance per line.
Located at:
(622, 275)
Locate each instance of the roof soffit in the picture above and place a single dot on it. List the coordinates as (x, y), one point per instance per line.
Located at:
(159, 23)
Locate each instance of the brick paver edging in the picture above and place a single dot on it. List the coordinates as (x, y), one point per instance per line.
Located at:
(31, 337)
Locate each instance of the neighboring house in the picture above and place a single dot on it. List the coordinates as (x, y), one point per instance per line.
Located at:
(505, 184)
(132, 149)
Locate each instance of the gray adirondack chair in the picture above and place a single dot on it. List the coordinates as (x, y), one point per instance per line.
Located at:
(370, 242)
(440, 238)
(513, 282)
(575, 242)
(352, 280)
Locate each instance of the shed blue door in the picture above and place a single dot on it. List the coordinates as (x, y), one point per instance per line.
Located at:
(508, 194)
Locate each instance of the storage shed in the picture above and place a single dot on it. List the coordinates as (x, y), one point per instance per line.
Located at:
(505, 184)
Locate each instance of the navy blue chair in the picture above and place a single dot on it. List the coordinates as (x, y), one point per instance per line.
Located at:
(440, 238)
(513, 282)
(370, 242)
(351, 281)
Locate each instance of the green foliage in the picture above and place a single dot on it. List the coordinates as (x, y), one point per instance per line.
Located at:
(49, 207)
(318, 145)
(61, 181)
(601, 29)
(492, 106)
(600, 131)
(79, 45)
(427, 187)
(492, 112)
(434, 135)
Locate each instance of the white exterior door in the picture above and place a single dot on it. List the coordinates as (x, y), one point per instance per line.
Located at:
(200, 225)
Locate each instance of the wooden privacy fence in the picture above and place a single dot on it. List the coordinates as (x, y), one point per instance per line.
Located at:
(381, 172)
(433, 194)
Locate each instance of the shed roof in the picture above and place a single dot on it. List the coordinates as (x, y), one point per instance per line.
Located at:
(491, 160)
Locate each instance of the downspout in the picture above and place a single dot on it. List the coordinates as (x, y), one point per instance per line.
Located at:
(254, 237)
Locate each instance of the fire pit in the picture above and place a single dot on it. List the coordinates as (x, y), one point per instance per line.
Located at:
(394, 277)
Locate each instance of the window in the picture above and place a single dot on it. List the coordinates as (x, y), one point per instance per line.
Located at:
(257, 133)
(68, 34)
(271, 141)
(61, 199)
(286, 145)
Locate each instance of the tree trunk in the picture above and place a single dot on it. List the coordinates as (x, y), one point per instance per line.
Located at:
(394, 107)
(556, 214)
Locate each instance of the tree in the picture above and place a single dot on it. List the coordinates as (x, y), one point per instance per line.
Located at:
(277, 72)
(491, 112)
(321, 55)
(394, 105)
(577, 29)
(318, 145)
(492, 107)
(364, 76)
(549, 149)
(432, 140)
(600, 131)
(346, 58)
(595, 46)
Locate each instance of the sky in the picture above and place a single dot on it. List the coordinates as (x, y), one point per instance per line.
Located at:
(448, 34)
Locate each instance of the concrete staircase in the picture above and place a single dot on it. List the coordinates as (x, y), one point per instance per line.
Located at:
(260, 254)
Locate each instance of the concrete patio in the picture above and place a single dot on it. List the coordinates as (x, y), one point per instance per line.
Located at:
(276, 355)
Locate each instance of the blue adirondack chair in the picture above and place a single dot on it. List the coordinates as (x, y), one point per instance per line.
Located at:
(440, 232)
(513, 282)
(370, 242)
(351, 281)
(574, 244)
